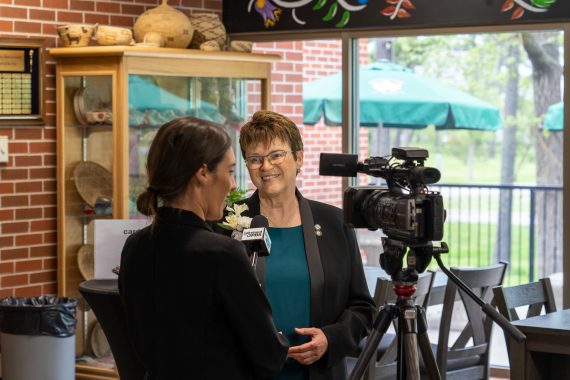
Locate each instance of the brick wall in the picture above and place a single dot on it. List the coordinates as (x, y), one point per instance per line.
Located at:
(28, 237)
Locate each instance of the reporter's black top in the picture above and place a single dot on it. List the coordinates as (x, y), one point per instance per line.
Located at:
(193, 305)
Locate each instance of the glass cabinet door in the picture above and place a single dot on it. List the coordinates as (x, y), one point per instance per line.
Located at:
(155, 100)
(88, 195)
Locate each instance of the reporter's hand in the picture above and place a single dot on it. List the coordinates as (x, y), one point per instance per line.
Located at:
(309, 352)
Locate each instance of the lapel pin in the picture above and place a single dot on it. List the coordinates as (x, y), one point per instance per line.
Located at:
(318, 231)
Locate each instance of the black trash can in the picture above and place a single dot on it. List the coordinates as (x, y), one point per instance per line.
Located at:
(37, 336)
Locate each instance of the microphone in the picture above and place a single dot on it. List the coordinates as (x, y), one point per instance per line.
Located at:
(256, 238)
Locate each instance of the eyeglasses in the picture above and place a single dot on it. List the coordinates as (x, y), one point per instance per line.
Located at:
(275, 158)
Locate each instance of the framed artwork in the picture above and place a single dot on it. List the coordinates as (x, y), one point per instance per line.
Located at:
(21, 82)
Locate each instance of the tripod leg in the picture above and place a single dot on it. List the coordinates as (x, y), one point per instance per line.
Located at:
(408, 331)
(425, 346)
(381, 324)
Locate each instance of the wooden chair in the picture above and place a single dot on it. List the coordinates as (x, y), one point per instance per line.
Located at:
(536, 295)
(384, 367)
(460, 360)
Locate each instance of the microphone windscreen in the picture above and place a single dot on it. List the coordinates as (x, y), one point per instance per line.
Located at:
(259, 221)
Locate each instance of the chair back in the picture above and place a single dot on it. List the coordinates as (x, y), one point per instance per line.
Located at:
(536, 296)
(458, 359)
(103, 298)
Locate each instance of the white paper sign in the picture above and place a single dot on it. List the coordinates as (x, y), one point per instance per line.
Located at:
(109, 237)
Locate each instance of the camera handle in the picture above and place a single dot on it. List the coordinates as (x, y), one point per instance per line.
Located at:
(487, 308)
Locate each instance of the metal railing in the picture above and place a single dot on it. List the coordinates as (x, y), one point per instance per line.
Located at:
(519, 224)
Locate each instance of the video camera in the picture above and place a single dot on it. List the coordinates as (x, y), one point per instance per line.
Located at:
(407, 212)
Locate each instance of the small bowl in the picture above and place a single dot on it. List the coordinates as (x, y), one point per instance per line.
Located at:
(113, 35)
(76, 35)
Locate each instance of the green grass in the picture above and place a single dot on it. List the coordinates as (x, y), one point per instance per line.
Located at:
(474, 245)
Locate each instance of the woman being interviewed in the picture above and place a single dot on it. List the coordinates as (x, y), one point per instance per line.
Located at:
(193, 305)
(313, 277)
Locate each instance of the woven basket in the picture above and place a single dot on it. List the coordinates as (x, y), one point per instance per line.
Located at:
(207, 27)
(173, 25)
(86, 261)
(113, 35)
(93, 181)
(75, 35)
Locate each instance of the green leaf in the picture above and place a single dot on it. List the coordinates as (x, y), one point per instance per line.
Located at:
(344, 20)
(319, 5)
(331, 13)
(235, 195)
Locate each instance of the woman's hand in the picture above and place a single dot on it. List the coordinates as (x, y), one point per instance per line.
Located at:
(312, 351)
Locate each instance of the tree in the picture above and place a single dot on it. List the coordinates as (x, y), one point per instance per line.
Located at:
(543, 50)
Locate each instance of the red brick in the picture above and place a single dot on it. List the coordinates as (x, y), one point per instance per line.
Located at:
(42, 14)
(27, 27)
(28, 161)
(50, 160)
(50, 212)
(50, 238)
(29, 187)
(43, 251)
(49, 289)
(6, 26)
(15, 200)
(43, 225)
(61, 4)
(28, 265)
(6, 241)
(7, 267)
(14, 280)
(29, 213)
(6, 293)
(18, 147)
(126, 21)
(42, 147)
(6, 215)
(42, 173)
(107, 7)
(82, 5)
(30, 239)
(42, 199)
(29, 291)
(6, 187)
(213, 5)
(43, 277)
(63, 16)
(12, 12)
(92, 18)
(50, 263)
(130, 9)
(50, 186)
(29, 3)
(14, 254)
(8, 174)
(15, 227)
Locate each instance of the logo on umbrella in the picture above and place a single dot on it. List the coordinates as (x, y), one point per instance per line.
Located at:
(386, 86)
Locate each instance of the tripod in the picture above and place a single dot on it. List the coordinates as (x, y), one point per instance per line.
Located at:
(411, 320)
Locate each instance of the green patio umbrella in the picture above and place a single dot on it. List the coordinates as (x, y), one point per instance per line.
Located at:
(554, 118)
(396, 97)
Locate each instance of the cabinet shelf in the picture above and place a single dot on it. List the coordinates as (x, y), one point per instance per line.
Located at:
(141, 88)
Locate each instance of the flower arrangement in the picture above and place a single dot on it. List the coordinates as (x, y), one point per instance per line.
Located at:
(234, 221)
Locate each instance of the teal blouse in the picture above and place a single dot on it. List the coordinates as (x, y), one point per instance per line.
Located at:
(288, 288)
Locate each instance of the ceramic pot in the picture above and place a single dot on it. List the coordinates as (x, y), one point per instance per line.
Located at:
(174, 26)
(207, 27)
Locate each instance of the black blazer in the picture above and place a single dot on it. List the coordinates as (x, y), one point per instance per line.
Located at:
(340, 301)
(193, 305)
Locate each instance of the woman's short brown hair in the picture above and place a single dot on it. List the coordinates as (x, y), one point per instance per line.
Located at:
(265, 126)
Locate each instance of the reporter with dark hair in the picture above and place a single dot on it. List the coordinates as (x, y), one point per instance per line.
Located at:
(193, 305)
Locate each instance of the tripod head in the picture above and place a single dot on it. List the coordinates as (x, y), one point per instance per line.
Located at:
(418, 257)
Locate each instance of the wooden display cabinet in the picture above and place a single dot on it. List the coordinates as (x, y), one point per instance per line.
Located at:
(110, 103)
